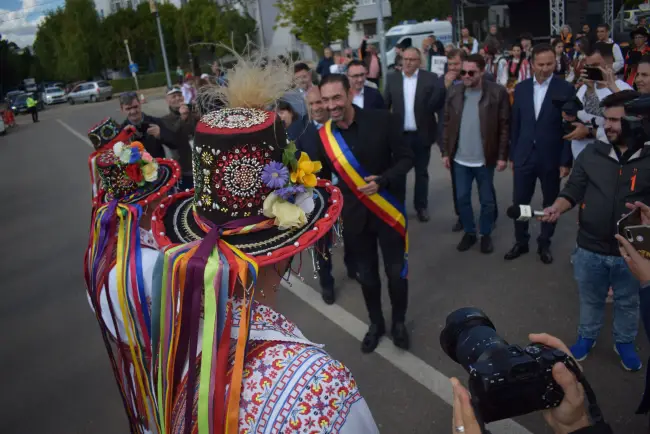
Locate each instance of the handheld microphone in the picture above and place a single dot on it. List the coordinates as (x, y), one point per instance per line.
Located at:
(523, 213)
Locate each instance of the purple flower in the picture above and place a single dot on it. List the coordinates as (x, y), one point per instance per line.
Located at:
(275, 175)
(289, 193)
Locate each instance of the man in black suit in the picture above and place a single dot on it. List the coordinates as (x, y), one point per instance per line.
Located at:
(415, 95)
(304, 132)
(364, 96)
(537, 146)
(375, 139)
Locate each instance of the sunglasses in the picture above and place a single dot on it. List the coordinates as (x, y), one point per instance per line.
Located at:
(470, 73)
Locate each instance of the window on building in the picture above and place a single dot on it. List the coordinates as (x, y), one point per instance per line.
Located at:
(367, 2)
(370, 28)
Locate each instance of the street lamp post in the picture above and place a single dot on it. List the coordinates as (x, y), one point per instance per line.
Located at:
(154, 10)
(133, 73)
(382, 42)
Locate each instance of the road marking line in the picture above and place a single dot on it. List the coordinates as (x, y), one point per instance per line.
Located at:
(81, 137)
(414, 367)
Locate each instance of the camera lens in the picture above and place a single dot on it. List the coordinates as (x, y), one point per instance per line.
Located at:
(468, 333)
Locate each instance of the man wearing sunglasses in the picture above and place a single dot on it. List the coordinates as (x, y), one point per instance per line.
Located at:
(474, 144)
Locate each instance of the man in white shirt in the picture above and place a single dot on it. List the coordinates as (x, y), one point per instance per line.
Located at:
(602, 33)
(364, 96)
(416, 96)
(590, 94)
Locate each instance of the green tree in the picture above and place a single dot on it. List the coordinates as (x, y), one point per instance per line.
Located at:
(316, 22)
(79, 57)
(47, 45)
(115, 28)
(204, 22)
(419, 10)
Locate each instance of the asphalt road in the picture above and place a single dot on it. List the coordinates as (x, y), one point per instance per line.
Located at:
(54, 373)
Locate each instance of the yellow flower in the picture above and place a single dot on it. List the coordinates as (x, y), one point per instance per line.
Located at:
(150, 172)
(287, 215)
(305, 173)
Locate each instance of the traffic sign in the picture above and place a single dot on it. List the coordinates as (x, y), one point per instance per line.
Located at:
(133, 67)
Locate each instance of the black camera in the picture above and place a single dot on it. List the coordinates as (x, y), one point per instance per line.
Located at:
(635, 125)
(504, 380)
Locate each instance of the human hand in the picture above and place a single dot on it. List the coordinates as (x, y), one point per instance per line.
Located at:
(645, 211)
(501, 165)
(609, 78)
(551, 214)
(638, 265)
(581, 132)
(446, 162)
(564, 171)
(571, 414)
(464, 419)
(512, 166)
(184, 111)
(154, 130)
(371, 187)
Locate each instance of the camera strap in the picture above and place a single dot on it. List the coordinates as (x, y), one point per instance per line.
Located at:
(595, 413)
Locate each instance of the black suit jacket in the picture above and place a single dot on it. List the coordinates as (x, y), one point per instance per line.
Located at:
(304, 133)
(429, 99)
(381, 151)
(372, 99)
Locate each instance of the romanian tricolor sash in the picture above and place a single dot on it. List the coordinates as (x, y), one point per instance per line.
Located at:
(382, 204)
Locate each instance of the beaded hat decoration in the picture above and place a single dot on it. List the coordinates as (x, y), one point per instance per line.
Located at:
(255, 203)
(129, 174)
(106, 132)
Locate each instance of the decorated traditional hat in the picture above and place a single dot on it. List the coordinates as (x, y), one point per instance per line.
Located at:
(105, 133)
(255, 203)
(129, 174)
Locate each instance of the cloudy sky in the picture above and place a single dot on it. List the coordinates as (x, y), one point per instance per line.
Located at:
(19, 19)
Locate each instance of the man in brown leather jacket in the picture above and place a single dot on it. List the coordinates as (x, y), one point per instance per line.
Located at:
(474, 143)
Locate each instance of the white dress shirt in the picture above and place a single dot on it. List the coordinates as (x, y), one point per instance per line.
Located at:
(539, 93)
(410, 87)
(358, 99)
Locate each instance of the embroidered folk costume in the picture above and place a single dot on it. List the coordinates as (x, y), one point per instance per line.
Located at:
(220, 362)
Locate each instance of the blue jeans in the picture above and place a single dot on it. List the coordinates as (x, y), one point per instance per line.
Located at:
(594, 274)
(465, 177)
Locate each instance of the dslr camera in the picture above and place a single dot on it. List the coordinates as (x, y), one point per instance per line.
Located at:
(504, 380)
(570, 108)
(635, 125)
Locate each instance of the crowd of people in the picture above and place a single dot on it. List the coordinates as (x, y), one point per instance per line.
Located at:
(548, 111)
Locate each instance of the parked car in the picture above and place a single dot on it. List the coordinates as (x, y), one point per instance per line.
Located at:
(20, 103)
(54, 95)
(11, 96)
(90, 92)
(3, 128)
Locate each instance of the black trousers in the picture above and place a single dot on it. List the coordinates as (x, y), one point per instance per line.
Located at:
(422, 155)
(34, 112)
(363, 246)
(525, 180)
(324, 258)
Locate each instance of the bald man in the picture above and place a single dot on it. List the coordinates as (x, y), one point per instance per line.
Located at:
(416, 95)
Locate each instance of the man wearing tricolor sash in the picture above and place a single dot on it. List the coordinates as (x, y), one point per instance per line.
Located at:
(365, 149)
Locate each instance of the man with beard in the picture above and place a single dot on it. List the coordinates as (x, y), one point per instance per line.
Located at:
(367, 151)
(605, 177)
(182, 123)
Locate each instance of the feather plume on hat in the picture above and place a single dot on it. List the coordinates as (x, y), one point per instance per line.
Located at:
(252, 83)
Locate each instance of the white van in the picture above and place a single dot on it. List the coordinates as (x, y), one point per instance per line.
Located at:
(417, 32)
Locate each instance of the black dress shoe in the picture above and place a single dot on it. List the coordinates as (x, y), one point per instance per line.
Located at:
(516, 251)
(328, 294)
(371, 339)
(466, 242)
(423, 215)
(486, 244)
(400, 336)
(545, 255)
(457, 227)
